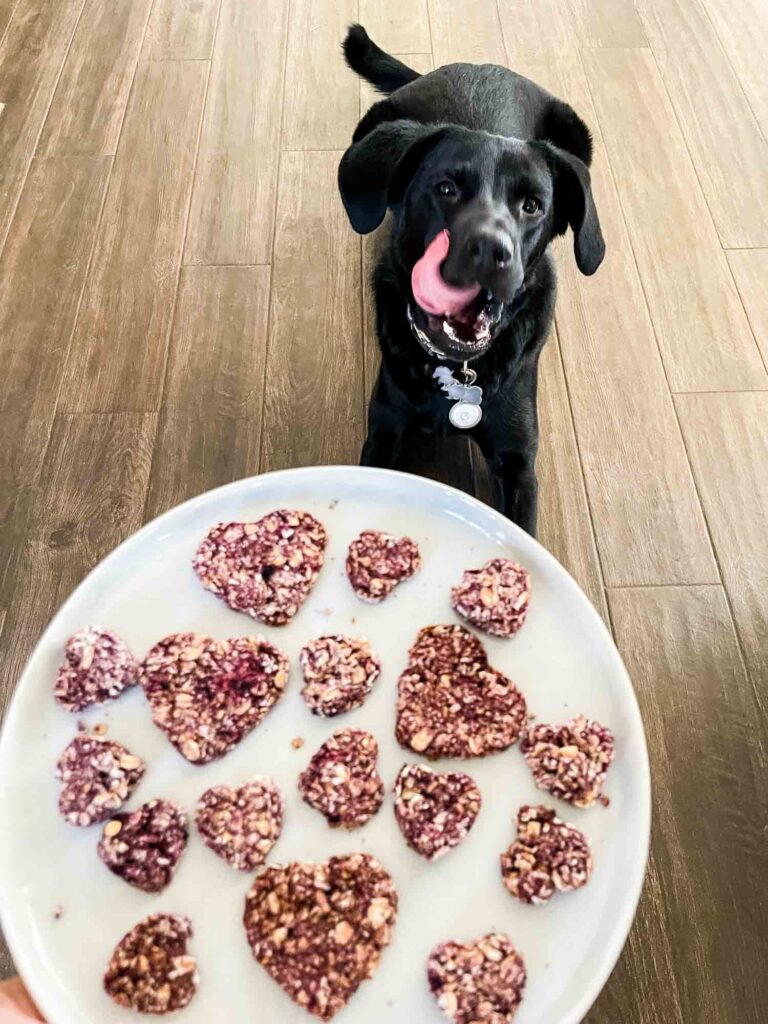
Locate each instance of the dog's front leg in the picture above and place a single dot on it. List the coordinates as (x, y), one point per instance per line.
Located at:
(516, 474)
(509, 439)
(386, 424)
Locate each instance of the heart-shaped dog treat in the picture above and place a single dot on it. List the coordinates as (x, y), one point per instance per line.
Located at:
(319, 929)
(207, 695)
(339, 672)
(451, 703)
(478, 982)
(435, 810)
(242, 825)
(548, 856)
(151, 970)
(377, 562)
(341, 780)
(265, 569)
(98, 775)
(494, 598)
(144, 846)
(98, 667)
(571, 760)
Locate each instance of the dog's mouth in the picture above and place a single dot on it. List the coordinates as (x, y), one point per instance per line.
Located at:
(465, 334)
(450, 321)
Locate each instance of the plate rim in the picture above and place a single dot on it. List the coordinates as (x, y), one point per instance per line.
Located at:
(22, 956)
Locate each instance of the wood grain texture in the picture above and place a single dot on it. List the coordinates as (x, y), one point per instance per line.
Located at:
(117, 358)
(42, 273)
(707, 739)
(31, 57)
(464, 30)
(210, 426)
(321, 105)
(181, 30)
(397, 26)
(725, 142)
(7, 7)
(743, 31)
(700, 323)
(88, 107)
(750, 271)
(85, 506)
(231, 220)
(555, 27)
(314, 383)
(647, 516)
(565, 526)
(727, 440)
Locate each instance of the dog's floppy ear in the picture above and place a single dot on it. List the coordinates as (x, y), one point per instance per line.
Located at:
(376, 169)
(575, 206)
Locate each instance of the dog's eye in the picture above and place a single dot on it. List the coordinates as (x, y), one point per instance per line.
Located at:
(446, 188)
(531, 205)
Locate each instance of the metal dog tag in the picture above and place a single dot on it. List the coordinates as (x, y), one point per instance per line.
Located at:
(466, 413)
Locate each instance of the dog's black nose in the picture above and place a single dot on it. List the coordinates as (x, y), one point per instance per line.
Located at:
(488, 251)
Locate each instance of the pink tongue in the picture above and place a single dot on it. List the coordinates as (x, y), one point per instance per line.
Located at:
(431, 292)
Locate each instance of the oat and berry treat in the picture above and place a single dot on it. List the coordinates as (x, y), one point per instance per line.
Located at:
(451, 702)
(548, 856)
(494, 598)
(144, 847)
(265, 569)
(241, 825)
(207, 695)
(151, 970)
(339, 672)
(477, 982)
(377, 562)
(319, 929)
(342, 782)
(570, 761)
(435, 810)
(98, 775)
(97, 667)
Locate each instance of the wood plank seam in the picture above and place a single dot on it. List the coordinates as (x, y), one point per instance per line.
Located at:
(9, 23)
(172, 318)
(706, 202)
(555, 339)
(42, 124)
(734, 618)
(736, 74)
(661, 357)
(275, 202)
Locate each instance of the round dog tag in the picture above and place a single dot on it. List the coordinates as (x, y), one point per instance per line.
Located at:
(465, 415)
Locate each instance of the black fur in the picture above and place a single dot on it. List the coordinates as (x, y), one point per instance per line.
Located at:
(497, 140)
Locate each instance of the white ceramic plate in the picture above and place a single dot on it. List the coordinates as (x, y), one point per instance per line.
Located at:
(563, 660)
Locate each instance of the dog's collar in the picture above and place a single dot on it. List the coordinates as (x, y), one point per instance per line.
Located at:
(421, 336)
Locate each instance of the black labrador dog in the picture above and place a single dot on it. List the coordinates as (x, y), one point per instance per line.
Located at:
(481, 168)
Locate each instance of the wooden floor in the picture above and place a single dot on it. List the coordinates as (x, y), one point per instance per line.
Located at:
(180, 306)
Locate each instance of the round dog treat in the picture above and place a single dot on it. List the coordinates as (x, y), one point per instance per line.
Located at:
(478, 982)
(377, 562)
(451, 702)
(339, 672)
(435, 810)
(341, 780)
(144, 846)
(548, 856)
(571, 760)
(151, 970)
(242, 825)
(98, 667)
(494, 598)
(207, 695)
(319, 929)
(265, 569)
(98, 775)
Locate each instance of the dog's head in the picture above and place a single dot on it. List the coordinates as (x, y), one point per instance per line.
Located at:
(472, 213)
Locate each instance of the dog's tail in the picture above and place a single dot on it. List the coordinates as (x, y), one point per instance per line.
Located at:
(384, 72)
